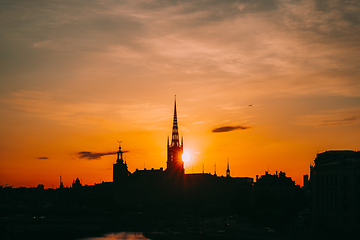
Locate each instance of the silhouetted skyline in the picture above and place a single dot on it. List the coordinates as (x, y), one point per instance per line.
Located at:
(160, 201)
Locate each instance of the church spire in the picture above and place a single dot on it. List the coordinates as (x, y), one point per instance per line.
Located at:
(120, 169)
(175, 165)
(175, 130)
(228, 169)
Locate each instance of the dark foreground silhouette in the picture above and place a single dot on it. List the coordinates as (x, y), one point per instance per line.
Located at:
(203, 206)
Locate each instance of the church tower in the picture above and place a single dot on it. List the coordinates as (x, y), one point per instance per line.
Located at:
(175, 165)
(120, 169)
(228, 169)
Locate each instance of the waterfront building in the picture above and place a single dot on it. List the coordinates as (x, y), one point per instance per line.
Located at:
(335, 190)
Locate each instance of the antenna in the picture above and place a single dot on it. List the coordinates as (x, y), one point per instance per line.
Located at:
(203, 168)
(119, 143)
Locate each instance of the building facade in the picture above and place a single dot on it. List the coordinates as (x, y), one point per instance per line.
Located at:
(335, 190)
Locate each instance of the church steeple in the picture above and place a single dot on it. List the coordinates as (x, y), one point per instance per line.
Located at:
(120, 169)
(175, 130)
(228, 169)
(175, 165)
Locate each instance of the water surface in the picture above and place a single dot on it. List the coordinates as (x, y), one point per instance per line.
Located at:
(120, 236)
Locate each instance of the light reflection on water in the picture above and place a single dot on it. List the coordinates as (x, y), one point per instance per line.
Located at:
(120, 236)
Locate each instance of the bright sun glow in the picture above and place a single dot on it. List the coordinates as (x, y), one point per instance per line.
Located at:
(186, 157)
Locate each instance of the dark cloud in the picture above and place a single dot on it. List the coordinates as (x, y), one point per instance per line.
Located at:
(212, 5)
(339, 122)
(229, 129)
(43, 158)
(221, 10)
(94, 155)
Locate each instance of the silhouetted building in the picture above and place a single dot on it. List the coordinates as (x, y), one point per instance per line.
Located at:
(76, 184)
(306, 182)
(277, 198)
(172, 187)
(175, 165)
(277, 184)
(120, 168)
(335, 190)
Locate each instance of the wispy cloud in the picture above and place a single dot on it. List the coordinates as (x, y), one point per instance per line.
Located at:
(344, 121)
(43, 158)
(229, 129)
(42, 44)
(50, 105)
(332, 118)
(269, 42)
(199, 122)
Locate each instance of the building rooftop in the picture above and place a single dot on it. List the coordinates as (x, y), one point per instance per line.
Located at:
(337, 156)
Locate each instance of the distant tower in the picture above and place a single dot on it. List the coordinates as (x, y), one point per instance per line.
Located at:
(228, 169)
(175, 165)
(214, 169)
(61, 183)
(120, 169)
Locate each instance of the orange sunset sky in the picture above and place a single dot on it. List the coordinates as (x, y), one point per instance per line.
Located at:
(78, 76)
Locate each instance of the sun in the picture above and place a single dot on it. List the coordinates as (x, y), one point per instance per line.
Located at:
(186, 157)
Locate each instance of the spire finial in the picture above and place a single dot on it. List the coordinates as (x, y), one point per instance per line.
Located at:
(175, 131)
(120, 154)
(175, 105)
